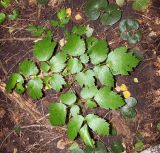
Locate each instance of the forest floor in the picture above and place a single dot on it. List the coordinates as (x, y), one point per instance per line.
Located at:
(36, 135)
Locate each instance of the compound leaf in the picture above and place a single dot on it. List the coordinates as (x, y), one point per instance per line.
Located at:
(104, 75)
(121, 62)
(97, 124)
(75, 46)
(108, 99)
(34, 88)
(68, 98)
(57, 114)
(27, 68)
(43, 49)
(74, 126)
(13, 80)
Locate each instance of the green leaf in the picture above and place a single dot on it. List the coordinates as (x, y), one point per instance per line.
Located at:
(89, 31)
(84, 134)
(140, 5)
(91, 104)
(62, 17)
(75, 46)
(84, 58)
(121, 62)
(117, 147)
(79, 30)
(45, 67)
(104, 75)
(43, 49)
(57, 81)
(98, 52)
(128, 112)
(42, 2)
(108, 99)
(15, 14)
(100, 148)
(2, 17)
(111, 16)
(128, 24)
(35, 30)
(75, 110)
(93, 8)
(34, 88)
(27, 68)
(88, 92)
(54, 23)
(74, 126)
(57, 114)
(139, 145)
(13, 80)
(91, 42)
(131, 102)
(19, 88)
(74, 65)
(57, 62)
(158, 126)
(134, 38)
(85, 78)
(46, 81)
(97, 124)
(5, 3)
(68, 98)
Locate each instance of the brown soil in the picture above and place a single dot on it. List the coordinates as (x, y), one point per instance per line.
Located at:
(36, 135)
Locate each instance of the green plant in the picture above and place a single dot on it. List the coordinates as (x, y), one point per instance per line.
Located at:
(158, 126)
(62, 18)
(140, 5)
(129, 31)
(128, 110)
(139, 145)
(15, 14)
(42, 2)
(5, 3)
(109, 13)
(2, 17)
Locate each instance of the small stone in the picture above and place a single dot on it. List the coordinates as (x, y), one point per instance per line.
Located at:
(135, 80)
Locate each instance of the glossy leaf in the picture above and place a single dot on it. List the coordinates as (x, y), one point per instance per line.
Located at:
(45, 67)
(57, 81)
(57, 62)
(68, 98)
(88, 92)
(84, 134)
(34, 88)
(108, 99)
(20, 88)
(97, 124)
(27, 68)
(43, 49)
(91, 104)
(98, 52)
(74, 126)
(75, 46)
(121, 62)
(85, 78)
(75, 110)
(117, 147)
(57, 114)
(111, 16)
(104, 75)
(74, 65)
(13, 80)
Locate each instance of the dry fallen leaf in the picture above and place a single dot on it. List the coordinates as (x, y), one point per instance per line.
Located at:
(123, 87)
(126, 94)
(78, 17)
(68, 12)
(61, 144)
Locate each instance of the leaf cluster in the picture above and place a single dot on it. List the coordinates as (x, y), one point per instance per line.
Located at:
(109, 14)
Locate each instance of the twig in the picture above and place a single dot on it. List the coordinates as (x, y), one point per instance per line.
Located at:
(18, 39)
(3, 68)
